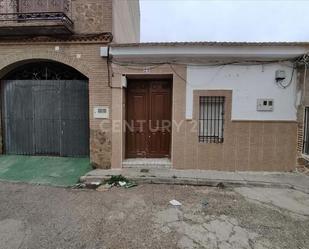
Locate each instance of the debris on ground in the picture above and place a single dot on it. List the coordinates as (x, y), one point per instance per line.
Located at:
(89, 185)
(120, 181)
(204, 203)
(93, 184)
(114, 180)
(130, 185)
(175, 203)
(79, 186)
(220, 185)
(104, 187)
(144, 170)
(122, 184)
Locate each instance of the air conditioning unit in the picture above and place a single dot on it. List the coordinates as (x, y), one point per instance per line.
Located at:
(280, 75)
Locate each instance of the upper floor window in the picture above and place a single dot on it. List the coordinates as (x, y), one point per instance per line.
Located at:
(211, 119)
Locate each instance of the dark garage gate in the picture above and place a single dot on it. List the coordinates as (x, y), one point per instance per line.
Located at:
(45, 111)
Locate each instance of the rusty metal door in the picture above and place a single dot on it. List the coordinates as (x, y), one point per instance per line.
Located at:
(45, 117)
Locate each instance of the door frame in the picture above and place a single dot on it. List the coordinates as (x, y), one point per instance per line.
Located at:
(169, 80)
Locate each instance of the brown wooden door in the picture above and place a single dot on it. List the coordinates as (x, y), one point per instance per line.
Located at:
(148, 129)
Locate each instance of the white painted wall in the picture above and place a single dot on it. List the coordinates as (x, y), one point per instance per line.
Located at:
(248, 83)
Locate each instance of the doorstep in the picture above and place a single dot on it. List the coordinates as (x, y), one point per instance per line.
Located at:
(147, 163)
(204, 177)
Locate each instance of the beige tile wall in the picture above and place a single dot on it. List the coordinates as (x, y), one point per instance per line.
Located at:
(247, 146)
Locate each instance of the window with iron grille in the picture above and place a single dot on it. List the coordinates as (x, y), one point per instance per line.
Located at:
(306, 132)
(211, 119)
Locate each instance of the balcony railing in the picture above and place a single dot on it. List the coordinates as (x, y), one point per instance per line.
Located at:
(33, 17)
(36, 16)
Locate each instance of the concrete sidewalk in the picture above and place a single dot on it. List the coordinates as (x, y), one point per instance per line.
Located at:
(296, 181)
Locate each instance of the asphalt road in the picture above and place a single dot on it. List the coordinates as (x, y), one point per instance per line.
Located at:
(45, 217)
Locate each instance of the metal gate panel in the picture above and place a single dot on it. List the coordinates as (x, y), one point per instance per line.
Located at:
(75, 114)
(48, 117)
(18, 117)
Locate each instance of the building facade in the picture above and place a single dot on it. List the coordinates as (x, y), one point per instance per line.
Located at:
(75, 81)
(231, 106)
(52, 75)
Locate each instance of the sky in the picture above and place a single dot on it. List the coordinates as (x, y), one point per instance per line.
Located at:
(224, 20)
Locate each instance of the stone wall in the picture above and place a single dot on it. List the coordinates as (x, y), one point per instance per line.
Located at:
(91, 16)
(100, 149)
(7, 6)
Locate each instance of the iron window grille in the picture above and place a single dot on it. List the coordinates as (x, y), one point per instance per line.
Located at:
(306, 132)
(211, 119)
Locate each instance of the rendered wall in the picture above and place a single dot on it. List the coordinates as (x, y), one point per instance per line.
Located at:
(248, 84)
(126, 21)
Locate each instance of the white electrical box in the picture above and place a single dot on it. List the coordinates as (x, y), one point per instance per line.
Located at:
(124, 82)
(101, 112)
(104, 51)
(265, 105)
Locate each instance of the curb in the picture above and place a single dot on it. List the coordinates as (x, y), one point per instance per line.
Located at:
(198, 182)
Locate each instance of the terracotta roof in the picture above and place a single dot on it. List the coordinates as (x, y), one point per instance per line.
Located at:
(210, 43)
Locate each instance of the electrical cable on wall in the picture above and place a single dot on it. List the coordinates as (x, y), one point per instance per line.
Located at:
(109, 63)
(136, 65)
(133, 65)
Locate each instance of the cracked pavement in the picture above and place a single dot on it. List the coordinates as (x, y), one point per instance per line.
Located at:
(244, 218)
(210, 231)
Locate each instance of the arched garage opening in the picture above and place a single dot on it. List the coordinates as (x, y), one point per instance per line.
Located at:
(45, 110)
